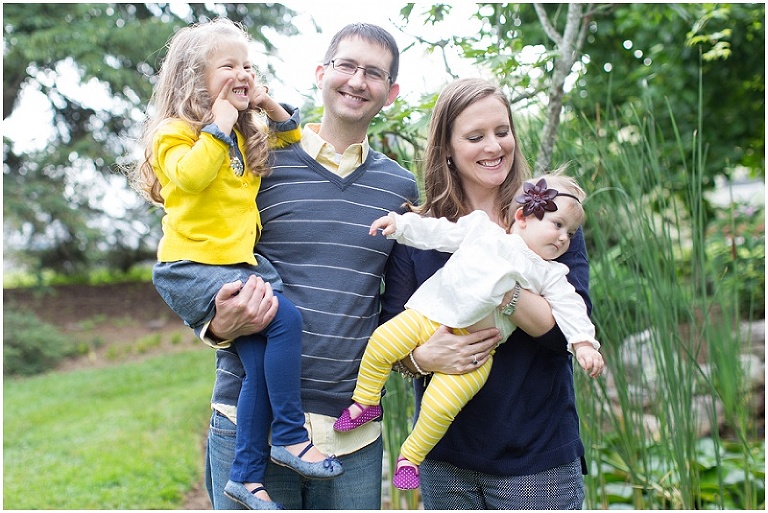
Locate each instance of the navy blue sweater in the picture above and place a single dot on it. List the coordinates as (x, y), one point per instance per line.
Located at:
(315, 233)
(524, 420)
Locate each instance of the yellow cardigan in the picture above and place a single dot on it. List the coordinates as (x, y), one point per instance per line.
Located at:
(210, 213)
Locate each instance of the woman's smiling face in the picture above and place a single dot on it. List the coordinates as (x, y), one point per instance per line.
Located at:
(482, 145)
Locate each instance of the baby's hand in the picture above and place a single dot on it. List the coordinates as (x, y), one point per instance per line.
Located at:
(387, 225)
(590, 359)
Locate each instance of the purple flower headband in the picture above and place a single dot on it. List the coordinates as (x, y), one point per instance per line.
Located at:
(536, 199)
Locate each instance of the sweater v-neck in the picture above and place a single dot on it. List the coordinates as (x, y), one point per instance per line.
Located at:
(341, 182)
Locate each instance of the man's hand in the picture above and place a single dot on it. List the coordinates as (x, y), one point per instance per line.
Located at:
(243, 311)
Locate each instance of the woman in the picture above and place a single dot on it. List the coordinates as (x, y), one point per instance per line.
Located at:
(516, 444)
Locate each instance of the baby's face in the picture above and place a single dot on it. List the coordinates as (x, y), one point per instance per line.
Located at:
(551, 236)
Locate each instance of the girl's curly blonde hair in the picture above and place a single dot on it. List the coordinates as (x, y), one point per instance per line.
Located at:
(181, 93)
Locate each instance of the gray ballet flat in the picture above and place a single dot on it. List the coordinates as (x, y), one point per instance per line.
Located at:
(329, 468)
(240, 494)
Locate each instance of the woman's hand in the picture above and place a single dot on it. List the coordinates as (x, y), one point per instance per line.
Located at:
(448, 353)
(243, 310)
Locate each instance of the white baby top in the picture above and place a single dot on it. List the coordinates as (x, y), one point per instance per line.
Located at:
(485, 265)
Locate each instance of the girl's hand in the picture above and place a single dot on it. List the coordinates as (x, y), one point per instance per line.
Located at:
(224, 113)
(387, 224)
(259, 98)
(258, 94)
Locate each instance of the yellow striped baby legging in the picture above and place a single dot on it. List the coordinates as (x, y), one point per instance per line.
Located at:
(446, 394)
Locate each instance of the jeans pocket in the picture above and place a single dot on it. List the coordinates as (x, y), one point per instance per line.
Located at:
(222, 426)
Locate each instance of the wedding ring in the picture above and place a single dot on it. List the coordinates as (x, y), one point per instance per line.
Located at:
(474, 359)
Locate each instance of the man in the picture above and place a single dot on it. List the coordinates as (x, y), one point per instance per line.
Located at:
(315, 210)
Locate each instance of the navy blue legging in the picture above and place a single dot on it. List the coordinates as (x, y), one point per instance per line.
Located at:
(270, 394)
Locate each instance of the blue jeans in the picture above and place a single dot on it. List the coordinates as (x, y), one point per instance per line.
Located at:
(444, 486)
(358, 488)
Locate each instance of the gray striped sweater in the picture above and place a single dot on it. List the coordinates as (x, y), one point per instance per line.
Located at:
(315, 233)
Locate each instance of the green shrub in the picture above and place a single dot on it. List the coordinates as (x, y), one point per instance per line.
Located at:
(31, 346)
(736, 257)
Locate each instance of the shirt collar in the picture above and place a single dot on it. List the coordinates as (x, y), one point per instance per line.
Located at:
(325, 154)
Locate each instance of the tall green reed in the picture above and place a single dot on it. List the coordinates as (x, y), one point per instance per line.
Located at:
(399, 410)
(398, 402)
(669, 333)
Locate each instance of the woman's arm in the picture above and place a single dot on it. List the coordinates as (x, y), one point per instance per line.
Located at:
(445, 352)
(453, 354)
(533, 314)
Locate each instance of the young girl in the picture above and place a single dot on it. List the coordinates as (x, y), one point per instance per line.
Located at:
(486, 264)
(206, 148)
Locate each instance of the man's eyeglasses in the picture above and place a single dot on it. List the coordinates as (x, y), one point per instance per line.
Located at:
(351, 67)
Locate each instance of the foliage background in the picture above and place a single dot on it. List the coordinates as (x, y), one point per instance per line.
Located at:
(66, 207)
(661, 102)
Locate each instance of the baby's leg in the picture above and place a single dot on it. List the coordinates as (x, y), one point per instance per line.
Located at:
(444, 398)
(391, 342)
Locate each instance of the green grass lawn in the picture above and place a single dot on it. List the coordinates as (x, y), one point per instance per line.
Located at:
(123, 437)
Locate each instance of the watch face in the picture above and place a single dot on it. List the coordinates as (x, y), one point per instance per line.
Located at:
(510, 307)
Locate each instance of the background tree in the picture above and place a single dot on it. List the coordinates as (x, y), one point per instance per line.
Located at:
(60, 202)
(67, 206)
(633, 56)
(568, 46)
(656, 54)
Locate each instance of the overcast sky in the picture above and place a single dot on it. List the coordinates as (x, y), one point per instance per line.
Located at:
(297, 58)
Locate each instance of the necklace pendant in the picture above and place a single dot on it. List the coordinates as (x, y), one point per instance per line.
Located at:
(237, 166)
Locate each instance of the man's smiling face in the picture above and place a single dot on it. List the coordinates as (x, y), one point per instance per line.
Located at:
(355, 98)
